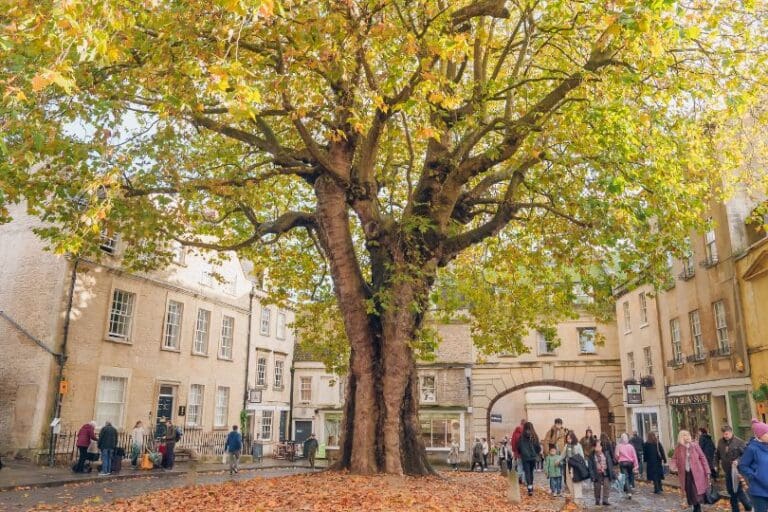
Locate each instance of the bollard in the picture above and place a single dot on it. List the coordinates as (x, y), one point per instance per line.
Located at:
(513, 494)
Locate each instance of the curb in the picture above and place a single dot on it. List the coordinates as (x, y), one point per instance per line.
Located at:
(138, 474)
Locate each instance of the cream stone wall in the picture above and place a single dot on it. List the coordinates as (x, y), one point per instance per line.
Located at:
(33, 291)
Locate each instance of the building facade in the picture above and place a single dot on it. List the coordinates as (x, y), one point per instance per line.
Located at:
(182, 343)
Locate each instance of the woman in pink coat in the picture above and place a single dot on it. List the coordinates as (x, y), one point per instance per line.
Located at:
(692, 468)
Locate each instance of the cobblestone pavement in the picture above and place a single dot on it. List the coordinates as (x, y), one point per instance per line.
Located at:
(105, 492)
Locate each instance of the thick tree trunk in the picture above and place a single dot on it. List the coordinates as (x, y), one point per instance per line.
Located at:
(381, 431)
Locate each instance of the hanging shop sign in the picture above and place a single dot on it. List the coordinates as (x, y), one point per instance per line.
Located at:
(634, 394)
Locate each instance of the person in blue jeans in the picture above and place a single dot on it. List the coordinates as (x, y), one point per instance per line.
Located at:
(107, 444)
(753, 466)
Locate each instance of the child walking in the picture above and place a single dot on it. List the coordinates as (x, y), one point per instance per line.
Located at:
(552, 469)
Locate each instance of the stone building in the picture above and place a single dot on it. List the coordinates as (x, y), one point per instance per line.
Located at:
(643, 362)
(173, 343)
(752, 270)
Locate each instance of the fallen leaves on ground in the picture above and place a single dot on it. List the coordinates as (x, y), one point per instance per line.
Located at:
(339, 491)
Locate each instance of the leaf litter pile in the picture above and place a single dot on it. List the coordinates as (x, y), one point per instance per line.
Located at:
(336, 491)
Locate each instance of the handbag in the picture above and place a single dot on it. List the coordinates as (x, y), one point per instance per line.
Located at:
(146, 462)
(712, 495)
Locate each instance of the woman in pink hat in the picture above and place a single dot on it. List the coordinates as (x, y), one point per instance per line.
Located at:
(692, 468)
(753, 466)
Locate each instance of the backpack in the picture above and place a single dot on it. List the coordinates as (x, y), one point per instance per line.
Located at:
(178, 435)
(579, 467)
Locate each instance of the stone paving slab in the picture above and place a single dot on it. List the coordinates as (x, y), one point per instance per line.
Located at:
(24, 474)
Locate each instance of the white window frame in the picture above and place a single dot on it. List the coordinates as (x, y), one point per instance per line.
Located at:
(543, 344)
(226, 346)
(266, 430)
(582, 345)
(108, 241)
(694, 319)
(279, 369)
(428, 389)
(674, 334)
(305, 389)
(721, 326)
(280, 328)
(710, 245)
(627, 317)
(643, 300)
(173, 323)
(195, 402)
(631, 365)
(648, 356)
(101, 401)
(122, 316)
(221, 409)
(261, 371)
(202, 332)
(178, 253)
(265, 321)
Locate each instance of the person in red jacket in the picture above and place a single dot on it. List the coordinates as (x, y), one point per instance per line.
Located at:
(85, 435)
(514, 442)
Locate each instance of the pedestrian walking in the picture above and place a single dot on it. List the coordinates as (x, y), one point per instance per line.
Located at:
(514, 442)
(637, 443)
(729, 449)
(707, 445)
(486, 450)
(692, 468)
(310, 449)
(628, 465)
(600, 464)
(85, 435)
(453, 455)
(609, 447)
(553, 470)
(587, 442)
(477, 454)
(171, 437)
(107, 445)
(573, 449)
(655, 458)
(137, 443)
(493, 450)
(233, 447)
(753, 465)
(529, 448)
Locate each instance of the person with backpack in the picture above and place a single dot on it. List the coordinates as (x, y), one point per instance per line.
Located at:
(529, 449)
(655, 458)
(233, 446)
(172, 436)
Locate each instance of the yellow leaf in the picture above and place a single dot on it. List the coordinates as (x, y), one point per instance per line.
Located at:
(40, 82)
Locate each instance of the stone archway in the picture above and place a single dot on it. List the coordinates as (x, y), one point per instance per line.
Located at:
(601, 383)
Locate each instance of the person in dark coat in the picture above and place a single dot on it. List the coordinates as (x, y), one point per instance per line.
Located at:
(655, 458)
(85, 435)
(600, 464)
(609, 447)
(529, 449)
(477, 454)
(310, 449)
(107, 445)
(729, 449)
(637, 443)
(707, 445)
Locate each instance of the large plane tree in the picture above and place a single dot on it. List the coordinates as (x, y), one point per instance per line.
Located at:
(519, 153)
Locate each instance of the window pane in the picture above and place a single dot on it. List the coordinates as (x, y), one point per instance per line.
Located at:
(265, 321)
(261, 372)
(227, 337)
(111, 401)
(222, 406)
(173, 318)
(200, 345)
(195, 405)
(120, 314)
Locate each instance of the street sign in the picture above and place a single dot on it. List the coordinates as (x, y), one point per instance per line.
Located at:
(634, 394)
(495, 418)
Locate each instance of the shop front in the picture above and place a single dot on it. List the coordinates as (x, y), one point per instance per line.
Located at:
(691, 412)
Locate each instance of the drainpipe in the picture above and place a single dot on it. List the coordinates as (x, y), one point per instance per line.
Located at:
(62, 359)
(290, 404)
(248, 345)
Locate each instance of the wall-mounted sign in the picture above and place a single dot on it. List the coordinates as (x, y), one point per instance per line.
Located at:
(495, 418)
(634, 394)
(182, 410)
(699, 398)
